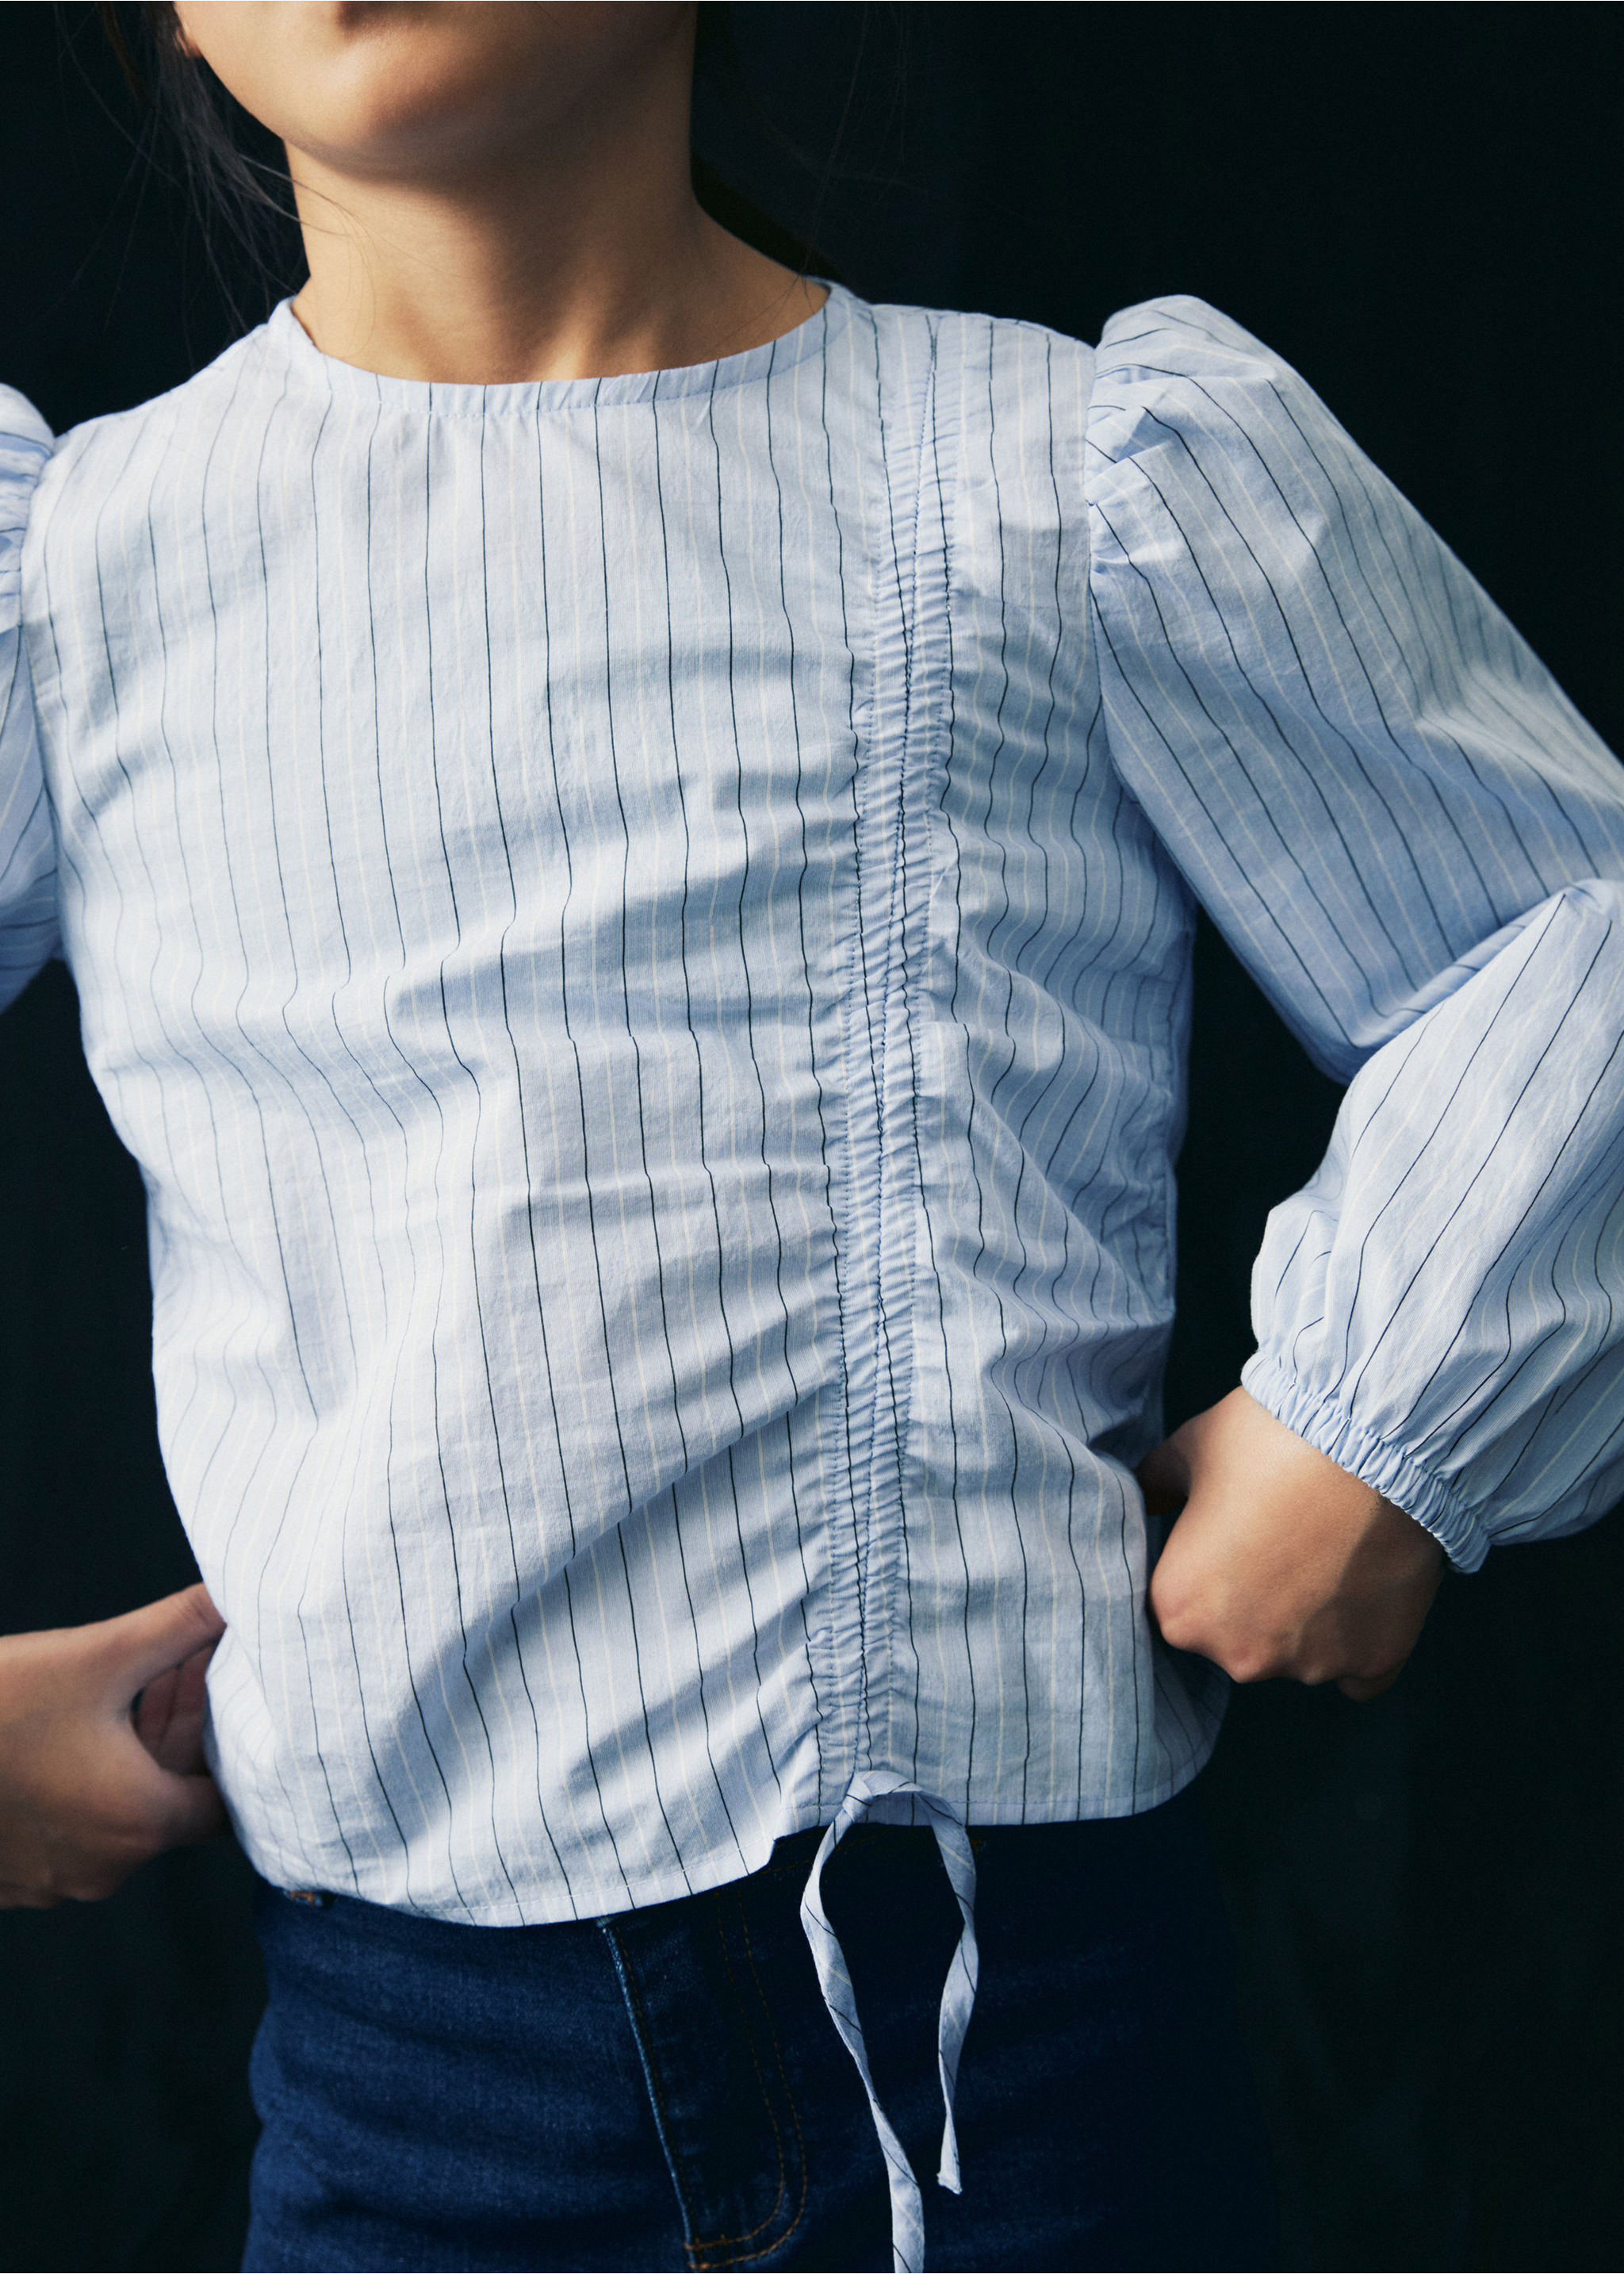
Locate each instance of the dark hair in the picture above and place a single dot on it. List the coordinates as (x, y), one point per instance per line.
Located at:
(237, 174)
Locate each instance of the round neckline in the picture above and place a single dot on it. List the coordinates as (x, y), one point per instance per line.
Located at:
(468, 398)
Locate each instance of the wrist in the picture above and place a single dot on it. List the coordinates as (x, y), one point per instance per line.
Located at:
(1321, 1417)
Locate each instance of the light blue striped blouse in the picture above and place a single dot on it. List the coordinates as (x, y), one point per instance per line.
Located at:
(639, 932)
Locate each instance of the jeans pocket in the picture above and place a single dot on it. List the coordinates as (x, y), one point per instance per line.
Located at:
(700, 1995)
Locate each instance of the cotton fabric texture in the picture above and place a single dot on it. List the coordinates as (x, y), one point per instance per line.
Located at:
(639, 932)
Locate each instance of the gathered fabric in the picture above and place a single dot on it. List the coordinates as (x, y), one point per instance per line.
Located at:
(638, 931)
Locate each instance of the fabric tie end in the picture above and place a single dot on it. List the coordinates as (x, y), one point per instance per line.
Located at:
(867, 1793)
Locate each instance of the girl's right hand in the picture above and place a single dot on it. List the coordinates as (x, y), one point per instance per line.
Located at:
(1280, 1562)
(101, 1749)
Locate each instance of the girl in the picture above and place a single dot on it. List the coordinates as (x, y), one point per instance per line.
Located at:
(627, 826)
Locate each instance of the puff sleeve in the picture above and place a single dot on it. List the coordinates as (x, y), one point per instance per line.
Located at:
(27, 838)
(1417, 846)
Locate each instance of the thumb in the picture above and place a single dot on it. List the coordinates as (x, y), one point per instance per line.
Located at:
(141, 1643)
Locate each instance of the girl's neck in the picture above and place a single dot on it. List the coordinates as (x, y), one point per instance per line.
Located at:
(585, 257)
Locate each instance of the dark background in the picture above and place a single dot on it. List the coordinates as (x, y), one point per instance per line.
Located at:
(1419, 206)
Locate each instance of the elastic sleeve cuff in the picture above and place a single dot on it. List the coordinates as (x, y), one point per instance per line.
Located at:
(1437, 1506)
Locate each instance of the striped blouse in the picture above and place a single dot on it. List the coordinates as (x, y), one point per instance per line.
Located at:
(638, 930)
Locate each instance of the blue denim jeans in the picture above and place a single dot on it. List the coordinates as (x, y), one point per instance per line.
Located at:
(664, 2088)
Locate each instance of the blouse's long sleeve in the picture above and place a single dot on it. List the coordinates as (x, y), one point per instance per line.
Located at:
(28, 841)
(1417, 846)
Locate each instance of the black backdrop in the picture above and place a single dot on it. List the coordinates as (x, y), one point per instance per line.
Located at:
(1419, 206)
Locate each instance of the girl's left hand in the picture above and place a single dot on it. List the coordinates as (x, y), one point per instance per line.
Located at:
(1279, 1562)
